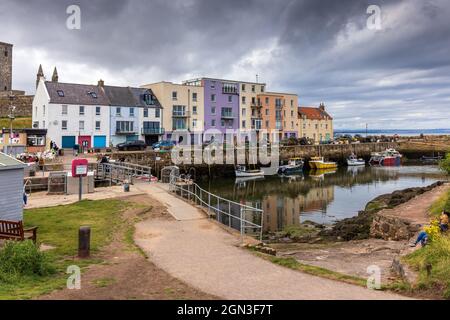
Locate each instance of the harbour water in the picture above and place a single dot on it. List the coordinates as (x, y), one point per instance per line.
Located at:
(322, 197)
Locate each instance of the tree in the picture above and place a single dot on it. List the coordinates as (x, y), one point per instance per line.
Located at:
(445, 163)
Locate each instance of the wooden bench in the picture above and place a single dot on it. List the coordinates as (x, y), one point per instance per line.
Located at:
(13, 230)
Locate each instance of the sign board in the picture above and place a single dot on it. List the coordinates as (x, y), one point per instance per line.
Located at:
(79, 167)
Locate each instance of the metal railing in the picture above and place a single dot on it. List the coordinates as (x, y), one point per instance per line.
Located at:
(241, 217)
(121, 171)
(145, 131)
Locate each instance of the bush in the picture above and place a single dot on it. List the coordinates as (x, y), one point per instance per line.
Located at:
(22, 258)
(445, 163)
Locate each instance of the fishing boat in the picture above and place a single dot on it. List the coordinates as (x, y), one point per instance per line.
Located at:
(353, 160)
(242, 171)
(389, 157)
(295, 165)
(432, 159)
(320, 163)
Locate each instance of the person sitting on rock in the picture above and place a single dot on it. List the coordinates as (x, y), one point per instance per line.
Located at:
(422, 238)
(443, 221)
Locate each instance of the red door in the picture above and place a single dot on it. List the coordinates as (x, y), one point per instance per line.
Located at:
(84, 141)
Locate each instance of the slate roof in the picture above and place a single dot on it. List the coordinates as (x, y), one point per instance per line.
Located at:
(76, 94)
(138, 94)
(120, 96)
(7, 162)
(313, 113)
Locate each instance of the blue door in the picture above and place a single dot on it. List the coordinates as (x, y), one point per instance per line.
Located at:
(99, 141)
(68, 142)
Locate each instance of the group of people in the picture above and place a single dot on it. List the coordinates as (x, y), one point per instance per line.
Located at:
(423, 236)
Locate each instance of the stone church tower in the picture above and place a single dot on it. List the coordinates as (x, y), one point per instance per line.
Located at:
(5, 67)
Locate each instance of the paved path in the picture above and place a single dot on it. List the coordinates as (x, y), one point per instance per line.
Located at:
(205, 256)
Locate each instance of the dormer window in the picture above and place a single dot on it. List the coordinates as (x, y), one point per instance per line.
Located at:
(60, 93)
(148, 98)
(92, 94)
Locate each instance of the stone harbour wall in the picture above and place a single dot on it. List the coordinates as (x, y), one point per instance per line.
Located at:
(392, 228)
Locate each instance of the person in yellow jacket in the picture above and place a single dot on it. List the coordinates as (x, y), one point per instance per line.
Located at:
(443, 221)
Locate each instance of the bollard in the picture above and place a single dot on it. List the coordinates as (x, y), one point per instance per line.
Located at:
(84, 241)
(126, 186)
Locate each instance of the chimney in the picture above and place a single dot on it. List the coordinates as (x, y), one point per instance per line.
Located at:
(39, 75)
(322, 106)
(101, 83)
(55, 75)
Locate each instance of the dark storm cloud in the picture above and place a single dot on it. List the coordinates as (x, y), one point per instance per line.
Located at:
(321, 50)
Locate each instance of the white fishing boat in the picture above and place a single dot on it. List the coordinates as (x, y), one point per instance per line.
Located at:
(242, 171)
(353, 160)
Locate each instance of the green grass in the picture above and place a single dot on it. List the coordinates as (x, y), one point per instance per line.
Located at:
(18, 123)
(437, 254)
(292, 263)
(58, 227)
(443, 203)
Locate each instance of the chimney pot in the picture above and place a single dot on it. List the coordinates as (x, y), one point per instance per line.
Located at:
(101, 83)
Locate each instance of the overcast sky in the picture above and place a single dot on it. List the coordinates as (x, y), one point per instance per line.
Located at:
(395, 77)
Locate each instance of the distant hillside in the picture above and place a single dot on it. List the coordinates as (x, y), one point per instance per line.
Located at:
(19, 123)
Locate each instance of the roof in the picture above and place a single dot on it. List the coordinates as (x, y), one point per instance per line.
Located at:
(8, 163)
(138, 94)
(5, 44)
(120, 96)
(314, 113)
(76, 94)
(224, 80)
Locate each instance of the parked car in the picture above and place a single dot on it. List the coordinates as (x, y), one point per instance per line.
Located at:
(163, 144)
(132, 145)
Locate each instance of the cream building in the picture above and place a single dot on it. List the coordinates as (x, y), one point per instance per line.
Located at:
(250, 117)
(315, 123)
(182, 106)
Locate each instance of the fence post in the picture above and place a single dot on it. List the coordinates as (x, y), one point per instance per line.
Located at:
(229, 214)
(242, 229)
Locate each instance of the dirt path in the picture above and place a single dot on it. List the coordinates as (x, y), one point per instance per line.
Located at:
(126, 273)
(417, 209)
(204, 255)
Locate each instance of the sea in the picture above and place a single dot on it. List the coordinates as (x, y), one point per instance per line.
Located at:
(391, 132)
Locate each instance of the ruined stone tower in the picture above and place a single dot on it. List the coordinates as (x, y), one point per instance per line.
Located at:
(5, 67)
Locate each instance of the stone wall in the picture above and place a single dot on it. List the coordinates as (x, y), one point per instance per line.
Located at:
(392, 228)
(23, 103)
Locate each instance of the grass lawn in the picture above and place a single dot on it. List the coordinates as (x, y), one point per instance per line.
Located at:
(58, 227)
(18, 123)
(436, 254)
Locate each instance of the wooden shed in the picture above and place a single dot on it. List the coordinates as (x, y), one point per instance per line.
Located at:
(11, 188)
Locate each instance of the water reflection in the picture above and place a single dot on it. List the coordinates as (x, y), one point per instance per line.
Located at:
(321, 196)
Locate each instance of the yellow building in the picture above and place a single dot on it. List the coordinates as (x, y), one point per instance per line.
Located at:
(183, 106)
(315, 124)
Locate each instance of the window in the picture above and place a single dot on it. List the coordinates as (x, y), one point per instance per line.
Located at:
(81, 125)
(64, 125)
(174, 95)
(6, 52)
(326, 126)
(227, 112)
(267, 112)
(243, 123)
(60, 93)
(292, 124)
(81, 110)
(229, 88)
(97, 125)
(230, 99)
(243, 100)
(157, 113)
(194, 123)
(222, 123)
(98, 111)
(35, 140)
(244, 112)
(145, 112)
(292, 103)
(43, 110)
(194, 96)
(64, 110)
(243, 87)
(213, 110)
(317, 126)
(124, 126)
(262, 88)
(267, 100)
(213, 123)
(178, 111)
(253, 88)
(194, 109)
(213, 98)
(118, 111)
(253, 100)
(292, 113)
(92, 94)
(267, 123)
(213, 84)
(131, 112)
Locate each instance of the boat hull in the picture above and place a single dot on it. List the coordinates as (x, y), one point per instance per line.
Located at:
(356, 162)
(288, 170)
(322, 165)
(243, 174)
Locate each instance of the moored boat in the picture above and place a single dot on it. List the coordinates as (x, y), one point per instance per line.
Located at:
(294, 166)
(353, 160)
(320, 163)
(390, 157)
(242, 171)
